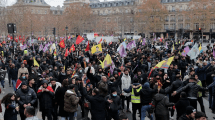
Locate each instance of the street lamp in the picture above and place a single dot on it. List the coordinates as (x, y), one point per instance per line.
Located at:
(66, 32)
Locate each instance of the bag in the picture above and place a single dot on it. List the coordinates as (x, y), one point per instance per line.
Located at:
(87, 104)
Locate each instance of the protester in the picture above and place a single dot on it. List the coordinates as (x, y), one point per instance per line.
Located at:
(10, 104)
(27, 97)
(106, 79)
(30, 113)
(189, 115)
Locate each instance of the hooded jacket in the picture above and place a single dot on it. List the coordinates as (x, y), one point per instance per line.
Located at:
(116, 104)
(126, 82)
(98, 105)
(146, 94)
(70, 101)
(46, 98)
(161, 103)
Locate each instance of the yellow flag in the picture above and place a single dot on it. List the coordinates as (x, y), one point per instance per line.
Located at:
(36, 63)
(169, 61)
(96, 49)
(55, 52)
(160, 64)
(107, 61)
(64, 67)
(173, 47)
(2, 53)
(200, 47)
(53, 47)
(125, 39)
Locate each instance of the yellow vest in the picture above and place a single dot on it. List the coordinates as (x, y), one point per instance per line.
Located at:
(135, 99)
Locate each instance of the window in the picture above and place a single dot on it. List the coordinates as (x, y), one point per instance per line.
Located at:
(196, 26)
(173, 8)
(131, 19)
(180, 25)
(109, 12)
(172, 26)
(212, 26)
(187, 26)
(172, 17)
(126, 11)
(166, 26)
(55, 12)
(180, 8)
(108, 20)
(45, 12)
(180, 18)
(167, 18)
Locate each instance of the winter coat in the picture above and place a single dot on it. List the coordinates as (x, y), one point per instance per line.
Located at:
(184, 117)
(103, 88)
(62, 76)
(146, 94)
(161, 103)
(181, 106)
(192, 90)
(59, 97)
(13, 73)
(70, 101)
(126, 82)
(202, 72)
(45, 98)
(116, 104)
(173, 87)
(98, 105)
(26, 96)
(10, 112)
(22, 70)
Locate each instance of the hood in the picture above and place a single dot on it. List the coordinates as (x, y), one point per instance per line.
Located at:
(146, 85)
(136, 84)
(69, 93)
(159, 97)
(99, 98)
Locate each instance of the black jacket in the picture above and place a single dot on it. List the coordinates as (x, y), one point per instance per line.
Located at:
(45, 99)
(161, 103)
(192, 90)
(181, 106)
(26, 96)
(59, 97)
(146, 94)
(116, 104)
(98, 105)
(13, 73)
(184, 117)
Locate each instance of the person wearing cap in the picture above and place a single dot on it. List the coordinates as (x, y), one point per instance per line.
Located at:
(23, 69)
(27, 98)
(189, 115)
(192, 89)
(181, 105)
(114, 106)
(45, 95)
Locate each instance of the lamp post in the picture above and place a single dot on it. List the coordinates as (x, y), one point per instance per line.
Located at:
(66, 32)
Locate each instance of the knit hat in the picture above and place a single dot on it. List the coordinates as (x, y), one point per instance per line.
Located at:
(24, 83)
(190, 110)
(113, 89)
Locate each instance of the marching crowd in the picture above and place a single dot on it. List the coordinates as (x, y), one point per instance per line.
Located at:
(59, 84)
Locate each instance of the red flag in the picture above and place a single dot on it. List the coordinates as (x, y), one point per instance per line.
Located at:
(38, 38)
(100, 40)
(66, 53)
(3, 42)
(79, 39)
(88, 47)
(96, 35)
(72, 48)
(18, 83)
(110, 43)
(20, 38)
(48, 88)
(62, 44)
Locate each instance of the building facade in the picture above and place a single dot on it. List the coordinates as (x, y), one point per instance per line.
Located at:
(109, 18)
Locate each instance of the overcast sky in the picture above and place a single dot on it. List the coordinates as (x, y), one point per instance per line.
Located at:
(50, 2)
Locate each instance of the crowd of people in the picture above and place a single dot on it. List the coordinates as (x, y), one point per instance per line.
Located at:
(62, 85)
